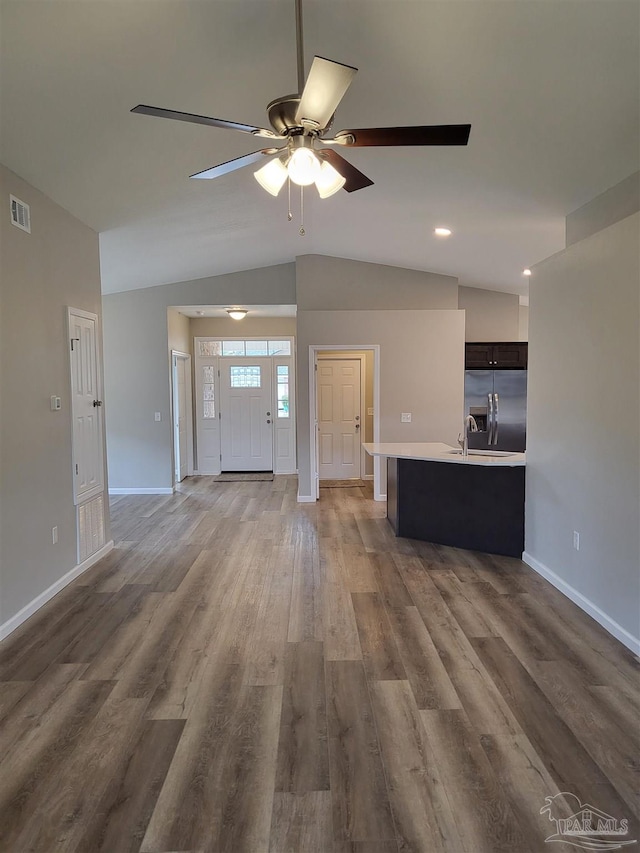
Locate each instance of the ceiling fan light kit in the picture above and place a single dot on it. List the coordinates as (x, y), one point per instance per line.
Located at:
(301, 122)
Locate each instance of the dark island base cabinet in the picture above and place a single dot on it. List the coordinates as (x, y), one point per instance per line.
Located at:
(476, 507)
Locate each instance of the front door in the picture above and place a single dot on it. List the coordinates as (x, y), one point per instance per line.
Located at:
(339, 421)
(246, 414)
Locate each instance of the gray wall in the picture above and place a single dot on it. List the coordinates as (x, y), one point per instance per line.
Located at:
(583, 452)
(137, 371)
(325, 283)
(421, 371)
(409, 314)
(251, 326)
(489, 314)
(41, 274)
(611, 206)
(178, 331)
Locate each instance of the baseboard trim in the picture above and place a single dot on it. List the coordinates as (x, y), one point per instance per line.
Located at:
(33, 606)
(609, 624)
(367, 477)
(141, 491)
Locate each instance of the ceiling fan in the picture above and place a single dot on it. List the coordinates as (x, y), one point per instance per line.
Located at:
(300, 121)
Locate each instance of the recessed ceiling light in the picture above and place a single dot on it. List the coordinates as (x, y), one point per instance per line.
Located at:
(200, 313)
(237, 313)
(526, 272)
(442, 232)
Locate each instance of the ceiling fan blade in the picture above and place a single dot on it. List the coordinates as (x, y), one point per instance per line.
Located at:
(237, 163)
(325, 87)
(437, 134)
(355, 179)
(159, 112)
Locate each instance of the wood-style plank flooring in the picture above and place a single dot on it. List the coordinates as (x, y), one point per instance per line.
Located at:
(243, 673)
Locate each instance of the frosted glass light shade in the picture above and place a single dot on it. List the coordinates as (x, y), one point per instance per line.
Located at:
(329, 181)
(304, 167)
(272, 176)
(237, 313)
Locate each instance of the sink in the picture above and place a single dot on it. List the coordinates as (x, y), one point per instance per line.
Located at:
(484, 452)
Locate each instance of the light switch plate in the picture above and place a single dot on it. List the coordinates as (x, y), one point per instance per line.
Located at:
(158, 416)
(405, 417)
(370, 410)
(56, 404)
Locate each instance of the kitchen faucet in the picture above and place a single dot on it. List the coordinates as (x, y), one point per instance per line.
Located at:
(468, 425)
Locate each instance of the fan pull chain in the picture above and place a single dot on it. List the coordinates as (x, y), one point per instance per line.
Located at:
(289, 214)
(302, 232)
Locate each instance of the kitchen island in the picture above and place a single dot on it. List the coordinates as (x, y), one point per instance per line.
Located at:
(437, 495)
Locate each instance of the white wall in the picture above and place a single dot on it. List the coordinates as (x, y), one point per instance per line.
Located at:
(41, 274)
(489, 314)
(583, 450)
(137, 374)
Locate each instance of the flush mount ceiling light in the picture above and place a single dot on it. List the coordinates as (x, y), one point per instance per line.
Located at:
(442, 232)
(526, 272)
(237, 313)
(300, 121)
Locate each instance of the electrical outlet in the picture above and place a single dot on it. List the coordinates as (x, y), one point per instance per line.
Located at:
(576, 540)
(54, 535)
(158, 416)
(405, 417)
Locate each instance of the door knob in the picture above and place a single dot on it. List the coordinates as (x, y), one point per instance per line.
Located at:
(357, 426)
(97, 403)
(268, 414)
(268, 421)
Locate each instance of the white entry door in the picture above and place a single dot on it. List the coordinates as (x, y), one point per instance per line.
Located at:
(339, 421)
(86, 406)
(246, 414)
(181, 380)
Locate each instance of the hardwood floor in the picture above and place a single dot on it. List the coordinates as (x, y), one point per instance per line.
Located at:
(243, 673)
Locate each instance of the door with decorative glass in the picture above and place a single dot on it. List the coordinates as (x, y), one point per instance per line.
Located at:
(246, 414)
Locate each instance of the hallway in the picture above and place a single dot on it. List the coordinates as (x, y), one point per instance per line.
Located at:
(243, 673)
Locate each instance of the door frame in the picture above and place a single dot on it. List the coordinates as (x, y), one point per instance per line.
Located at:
(314, 349)
(290, 464)
(175, 354)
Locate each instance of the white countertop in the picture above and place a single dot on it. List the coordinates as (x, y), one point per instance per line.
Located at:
(436, 451)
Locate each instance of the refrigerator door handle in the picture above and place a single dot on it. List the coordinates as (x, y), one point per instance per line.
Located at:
(490, 420)
(496, 422)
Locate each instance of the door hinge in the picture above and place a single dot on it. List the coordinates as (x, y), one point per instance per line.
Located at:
(76, 468)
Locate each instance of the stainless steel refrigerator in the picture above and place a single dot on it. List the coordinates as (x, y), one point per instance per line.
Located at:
(498, 401)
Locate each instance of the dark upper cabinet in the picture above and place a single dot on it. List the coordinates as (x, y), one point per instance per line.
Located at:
(496, 355)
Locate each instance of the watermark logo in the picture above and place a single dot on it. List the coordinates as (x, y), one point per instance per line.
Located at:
(583, 825)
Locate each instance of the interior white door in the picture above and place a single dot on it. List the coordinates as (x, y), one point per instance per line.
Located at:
(246, 414)
(339, 420)
(181, 449)
(86, 406)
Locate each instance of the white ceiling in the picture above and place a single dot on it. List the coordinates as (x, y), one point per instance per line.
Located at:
(550, 88)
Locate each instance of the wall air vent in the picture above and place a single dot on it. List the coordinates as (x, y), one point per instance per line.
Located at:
(20, 214)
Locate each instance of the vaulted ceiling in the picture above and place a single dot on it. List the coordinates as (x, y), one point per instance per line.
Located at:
(550, 88)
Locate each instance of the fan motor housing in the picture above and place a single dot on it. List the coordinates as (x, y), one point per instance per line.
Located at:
(282, 114)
